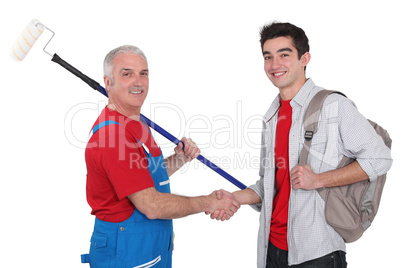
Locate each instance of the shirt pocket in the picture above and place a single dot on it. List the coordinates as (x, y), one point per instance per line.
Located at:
(324, 149)
(317, 149)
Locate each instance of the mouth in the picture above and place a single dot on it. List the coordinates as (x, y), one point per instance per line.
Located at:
(278, 74)
(136, 91)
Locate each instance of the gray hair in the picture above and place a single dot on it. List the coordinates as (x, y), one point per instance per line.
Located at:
(108, 62)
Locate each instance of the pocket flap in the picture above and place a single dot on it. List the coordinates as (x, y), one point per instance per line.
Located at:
(99, 240)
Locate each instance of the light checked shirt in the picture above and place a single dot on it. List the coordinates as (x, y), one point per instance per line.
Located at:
(342, 130)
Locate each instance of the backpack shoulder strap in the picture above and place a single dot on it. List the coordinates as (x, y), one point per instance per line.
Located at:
(311, 121)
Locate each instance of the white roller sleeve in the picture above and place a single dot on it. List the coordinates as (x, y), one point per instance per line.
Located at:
(26, 40)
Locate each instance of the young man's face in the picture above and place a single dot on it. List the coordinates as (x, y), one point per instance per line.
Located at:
(282, 64)
(130, 83)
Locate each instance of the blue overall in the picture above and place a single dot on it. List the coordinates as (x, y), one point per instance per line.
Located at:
(137, 242)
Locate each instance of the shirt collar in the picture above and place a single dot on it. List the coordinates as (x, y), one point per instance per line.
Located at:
(303, 94)
(300, 99)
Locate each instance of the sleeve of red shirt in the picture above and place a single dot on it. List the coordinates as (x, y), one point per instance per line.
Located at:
(126, 165)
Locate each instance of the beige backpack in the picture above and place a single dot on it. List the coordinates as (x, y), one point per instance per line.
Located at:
(349, 209)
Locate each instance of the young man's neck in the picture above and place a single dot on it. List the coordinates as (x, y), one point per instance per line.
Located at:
(288, 93)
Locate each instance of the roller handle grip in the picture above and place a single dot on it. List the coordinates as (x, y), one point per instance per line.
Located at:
(92, 83)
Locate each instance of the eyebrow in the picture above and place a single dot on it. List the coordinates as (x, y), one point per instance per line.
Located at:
(279, 50)
(124, 70)
(128, 69)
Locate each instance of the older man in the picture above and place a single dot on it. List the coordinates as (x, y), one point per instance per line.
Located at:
(128, 178)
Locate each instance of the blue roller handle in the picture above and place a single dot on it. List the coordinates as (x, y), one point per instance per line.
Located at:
(176, 141)
(95, 85)
(200, 157)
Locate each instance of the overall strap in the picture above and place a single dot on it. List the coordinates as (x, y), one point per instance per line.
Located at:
(142, 144)
(104, 124)
(101, 125)
(147, 151)
(311, 121)
(146, 126)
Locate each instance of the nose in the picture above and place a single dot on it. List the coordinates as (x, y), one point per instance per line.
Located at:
(137, 80)
(276, 63)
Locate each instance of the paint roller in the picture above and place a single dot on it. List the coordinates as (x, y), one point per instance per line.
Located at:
(27, 39)
(31, 34)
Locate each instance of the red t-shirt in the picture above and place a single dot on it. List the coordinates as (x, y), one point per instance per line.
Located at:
(279, 220)
(117, 165)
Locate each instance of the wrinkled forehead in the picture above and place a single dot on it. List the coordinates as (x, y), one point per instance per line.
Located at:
(129, 61)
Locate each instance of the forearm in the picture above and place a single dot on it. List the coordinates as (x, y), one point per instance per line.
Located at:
(247, 197)
(169, 206)
(185, 151)
(349, 174)
(156, 205)
(174, 163)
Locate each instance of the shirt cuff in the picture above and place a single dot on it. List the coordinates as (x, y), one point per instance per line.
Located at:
(368, 168)
(258, 206)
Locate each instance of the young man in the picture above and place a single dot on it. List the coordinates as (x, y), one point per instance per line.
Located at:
(293, 230)
(128, 178)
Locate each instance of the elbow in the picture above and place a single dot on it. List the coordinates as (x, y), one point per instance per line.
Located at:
(146, 201)
(152, 215)
(384, 167)
(375, 169)
(150, 212)
(389, 164)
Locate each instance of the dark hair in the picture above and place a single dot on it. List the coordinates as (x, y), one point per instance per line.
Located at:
(278, 29)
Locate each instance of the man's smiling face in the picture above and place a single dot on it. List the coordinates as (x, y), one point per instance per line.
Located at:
(129, 87)
(282, 64)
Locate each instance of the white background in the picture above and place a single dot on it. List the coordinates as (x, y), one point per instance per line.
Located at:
(205, 65)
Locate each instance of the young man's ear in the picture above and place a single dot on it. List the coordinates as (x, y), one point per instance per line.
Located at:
(305, 58)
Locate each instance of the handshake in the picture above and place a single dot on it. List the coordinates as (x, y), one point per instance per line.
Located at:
(223, 205)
